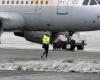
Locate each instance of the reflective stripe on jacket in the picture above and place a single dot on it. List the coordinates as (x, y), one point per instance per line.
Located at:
(46, 39)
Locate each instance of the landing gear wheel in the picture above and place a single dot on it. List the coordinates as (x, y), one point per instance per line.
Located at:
(80, 47)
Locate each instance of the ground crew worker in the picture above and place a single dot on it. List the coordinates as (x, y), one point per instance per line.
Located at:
(45, 46)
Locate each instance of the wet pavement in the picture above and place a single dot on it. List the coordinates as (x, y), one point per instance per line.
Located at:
(13, 55)
(21, 75)
(33, 54)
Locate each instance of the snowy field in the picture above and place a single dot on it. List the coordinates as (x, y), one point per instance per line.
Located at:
(53, 65)
(8, 40)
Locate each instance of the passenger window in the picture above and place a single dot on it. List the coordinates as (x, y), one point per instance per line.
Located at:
(31, 2)
(12, 2)
(17, 2)
(93, 2)
(3, 2)
(36, 2)
(41, 2)
(85, 2)
(22, 2)
(7, 2)
(26, 2)
(46, 2)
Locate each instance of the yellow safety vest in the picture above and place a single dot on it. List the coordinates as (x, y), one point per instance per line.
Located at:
(46, 39)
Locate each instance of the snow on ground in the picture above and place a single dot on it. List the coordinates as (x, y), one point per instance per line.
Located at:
(92, 38)
(8, 40)
(92, 49)
(63, 65)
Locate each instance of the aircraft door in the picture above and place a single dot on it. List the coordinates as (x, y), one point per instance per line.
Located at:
(62, 7)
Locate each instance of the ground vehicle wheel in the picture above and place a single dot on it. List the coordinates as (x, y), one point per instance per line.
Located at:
(80, 47)
(70, 46)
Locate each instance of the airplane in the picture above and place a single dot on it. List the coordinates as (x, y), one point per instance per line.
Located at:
(31, 18)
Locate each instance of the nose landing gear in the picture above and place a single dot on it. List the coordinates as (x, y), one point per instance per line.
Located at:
(70, 43)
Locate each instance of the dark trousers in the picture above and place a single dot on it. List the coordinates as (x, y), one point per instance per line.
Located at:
(46, 47)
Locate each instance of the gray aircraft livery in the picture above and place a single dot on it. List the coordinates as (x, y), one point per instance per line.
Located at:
(30, 18)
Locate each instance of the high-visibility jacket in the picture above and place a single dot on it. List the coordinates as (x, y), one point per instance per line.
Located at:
(46, 39)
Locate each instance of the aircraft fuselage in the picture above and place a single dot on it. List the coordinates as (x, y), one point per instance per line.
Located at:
(52, 18)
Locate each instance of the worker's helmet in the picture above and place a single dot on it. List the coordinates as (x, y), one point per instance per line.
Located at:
(47, 33)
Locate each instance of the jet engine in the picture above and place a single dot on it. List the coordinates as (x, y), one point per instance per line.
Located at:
(33, 36)
(11, 21)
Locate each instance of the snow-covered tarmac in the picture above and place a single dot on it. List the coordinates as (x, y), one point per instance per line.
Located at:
(60, 61)
(53, 65)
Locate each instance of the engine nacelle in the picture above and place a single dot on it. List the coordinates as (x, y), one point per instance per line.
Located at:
(34, 36)
(12, 21)
(21, 34)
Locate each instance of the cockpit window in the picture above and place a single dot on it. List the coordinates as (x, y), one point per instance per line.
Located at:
(90, 2)
(85, 2)
(93, 2)
(98, 2)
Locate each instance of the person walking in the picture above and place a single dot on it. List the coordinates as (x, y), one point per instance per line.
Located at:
(45, 46)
